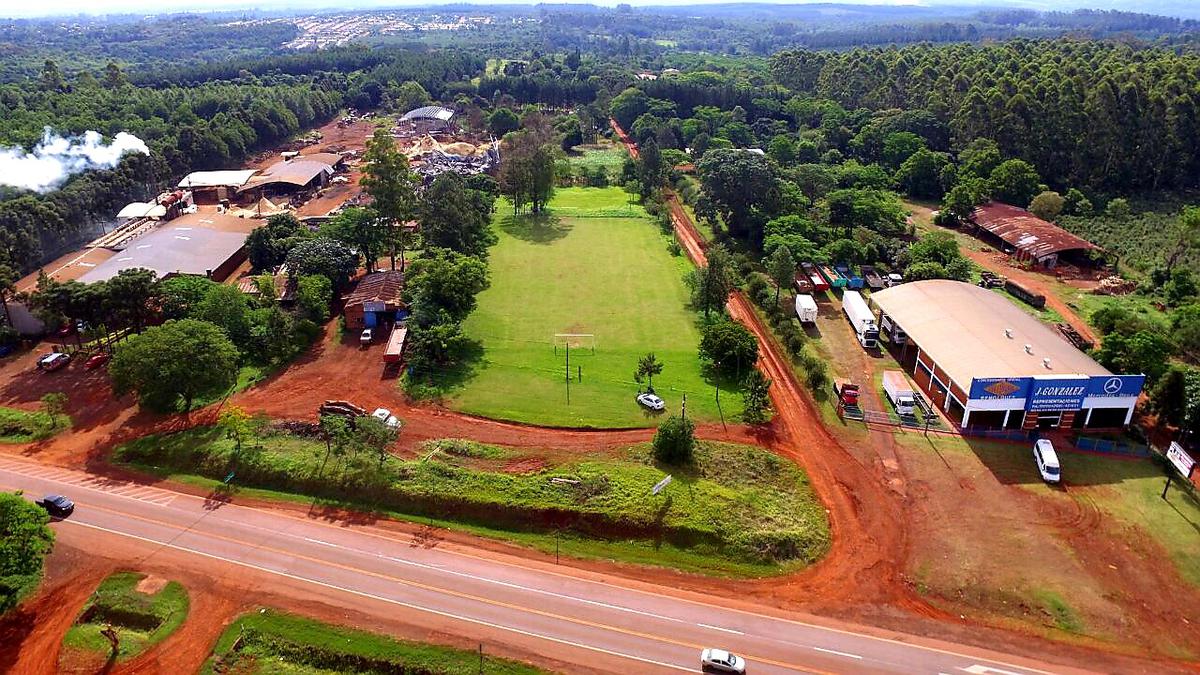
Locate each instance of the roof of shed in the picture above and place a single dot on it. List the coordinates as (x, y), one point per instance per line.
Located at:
(429, 112)
(385, 286)
(961, 327)
(205, 179)
(191, 244)
(1026, 232)
(299, 172)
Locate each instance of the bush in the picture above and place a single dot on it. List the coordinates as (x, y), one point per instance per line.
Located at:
(675, 441)
(759, 290)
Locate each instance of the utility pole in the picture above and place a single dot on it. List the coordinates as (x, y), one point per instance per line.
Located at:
(683, 408)
(568, 372)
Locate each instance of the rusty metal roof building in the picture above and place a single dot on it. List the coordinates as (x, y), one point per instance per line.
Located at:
(385, 287)
(298, 172)
(1031, 237)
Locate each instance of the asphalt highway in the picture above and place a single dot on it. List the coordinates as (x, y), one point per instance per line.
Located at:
(639, 630)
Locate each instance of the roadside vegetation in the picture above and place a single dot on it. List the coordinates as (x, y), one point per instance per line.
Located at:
(267, 642)
(25, 541)
(128, 614)
(731, 510)
(23, 426)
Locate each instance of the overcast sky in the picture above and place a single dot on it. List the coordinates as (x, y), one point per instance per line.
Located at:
(25, 8)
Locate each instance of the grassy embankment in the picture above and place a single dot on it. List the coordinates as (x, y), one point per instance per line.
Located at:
(735, 511)
(273, 642)
(24, 426)
(141, 620)
(595, 264)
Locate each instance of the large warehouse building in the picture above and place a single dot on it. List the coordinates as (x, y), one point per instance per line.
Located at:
(987, 363)
(203, 244)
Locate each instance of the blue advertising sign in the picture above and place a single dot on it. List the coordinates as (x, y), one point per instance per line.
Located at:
(990, 388)
(1065, 393)
(1114, 386)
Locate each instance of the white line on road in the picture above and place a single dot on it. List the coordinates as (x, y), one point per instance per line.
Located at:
(323, 543)
(380, 598)
(834, 651)
(723, 630)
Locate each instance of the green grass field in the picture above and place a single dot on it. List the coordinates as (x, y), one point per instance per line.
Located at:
(734, 511)
(608, 155)
(140, 619)
(273, 642)
(597, 265)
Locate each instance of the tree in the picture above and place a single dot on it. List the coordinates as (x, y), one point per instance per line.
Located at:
(374, 436)
(178, 296)
(1180, 288)
(920, 175)
(129, 295)
(712, 283)
(877, 210)
(527, 172)
(179, 361)
(435, 346)
(629, 105)
(782, 268)
(313, 295)
(1117, 208)
(25, 541)
(446, 283)
(53, 404)
(756, 397)
(360, 230)
(1185, 329)
(1014, 182)
(1176, 398)
(675, 441)
(650, 167)
(502, 121)
(899, 146)
(962, 199)
(113, 77)
(1047, 205)
(410, 95)
(326, 257)
(454, 217)
(1142, 352)
(743, 186)
(648, 366)
(1186, 235)
(1076, 204)
(979, 158)
(8, 281)
(390, 182)
(237, 424)
(729, 346)
(268, 245)
(226, 308)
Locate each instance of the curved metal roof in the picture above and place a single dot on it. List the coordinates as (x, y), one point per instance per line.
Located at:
(429, 112)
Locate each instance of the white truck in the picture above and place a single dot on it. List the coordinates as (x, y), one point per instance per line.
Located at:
(862, 320)
(806, 308)
(899, 392)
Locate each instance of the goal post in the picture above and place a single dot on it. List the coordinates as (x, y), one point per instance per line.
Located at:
(581, 341)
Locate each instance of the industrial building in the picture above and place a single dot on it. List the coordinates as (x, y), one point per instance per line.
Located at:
(428, 119)
(214, 187)
(1029, 238)
(988, 364)
(203, 244)
(377, 299)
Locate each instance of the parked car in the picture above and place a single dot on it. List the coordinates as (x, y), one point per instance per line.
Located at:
(722, 661)
(384, 415)
(366, 337)
(56, 505)
(53, 361)
(97, 360)
(651, 401)
(1047, 461)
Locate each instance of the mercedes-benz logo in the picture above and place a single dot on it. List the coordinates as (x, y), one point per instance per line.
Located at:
(1112, 385)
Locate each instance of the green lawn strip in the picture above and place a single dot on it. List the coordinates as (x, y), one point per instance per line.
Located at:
(273, 642)
(1127, 489)
(141, 620)
(737, 511)
(24, 426)
(596, 265)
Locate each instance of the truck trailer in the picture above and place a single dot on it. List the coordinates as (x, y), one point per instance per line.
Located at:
(395, 344)
(872, 277)
(819, 283)
(892, 330)
(806, 308)
(899, 392)
(861, 319)
(853, 281)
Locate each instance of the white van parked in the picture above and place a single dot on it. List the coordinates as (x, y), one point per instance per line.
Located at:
(1047, 461)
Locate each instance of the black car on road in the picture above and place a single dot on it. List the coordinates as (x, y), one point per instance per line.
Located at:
(57, 505)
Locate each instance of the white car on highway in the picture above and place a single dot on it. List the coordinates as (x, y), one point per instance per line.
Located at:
(651, 401)
(722, 661)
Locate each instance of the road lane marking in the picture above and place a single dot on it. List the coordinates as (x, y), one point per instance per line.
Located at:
(407, 582)
(323, 543)
(578, 579)
(845, 654)
(393, 601)
(723, 630)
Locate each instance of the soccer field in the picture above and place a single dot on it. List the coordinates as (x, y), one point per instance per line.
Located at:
(596, 265)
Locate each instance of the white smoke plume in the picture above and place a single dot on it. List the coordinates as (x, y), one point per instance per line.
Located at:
(55, 159)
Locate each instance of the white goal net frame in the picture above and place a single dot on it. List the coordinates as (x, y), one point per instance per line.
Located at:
(584, 341)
